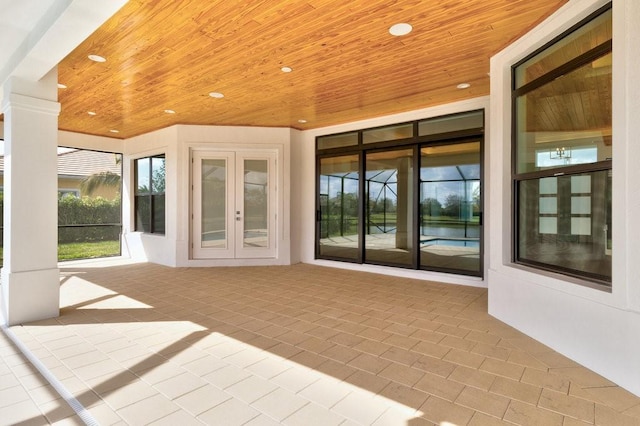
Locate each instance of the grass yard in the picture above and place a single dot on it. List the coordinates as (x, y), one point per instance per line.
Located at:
(70, 251)
(73, 251)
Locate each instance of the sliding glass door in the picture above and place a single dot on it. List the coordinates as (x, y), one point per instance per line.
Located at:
(389, 235)
(338, 225)
(407, 195)
(450, 208)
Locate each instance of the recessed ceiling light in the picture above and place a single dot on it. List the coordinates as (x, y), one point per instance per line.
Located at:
(286, 69)
(114, 131)
(61, 86)
(463, 86)
(216, 95)
(169, 111)
(91, 113)
(302, 121)
(97, 58)
(400, 29)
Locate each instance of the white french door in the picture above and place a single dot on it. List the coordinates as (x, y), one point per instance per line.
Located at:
(234, 204)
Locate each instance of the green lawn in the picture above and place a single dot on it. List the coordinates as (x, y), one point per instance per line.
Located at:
(71, 251)
(90, 250)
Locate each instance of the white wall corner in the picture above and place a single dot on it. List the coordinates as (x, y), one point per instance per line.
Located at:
(296, 189)
(626, 150)
(593, 327)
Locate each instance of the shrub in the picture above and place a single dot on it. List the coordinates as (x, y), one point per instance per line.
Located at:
(103, 214)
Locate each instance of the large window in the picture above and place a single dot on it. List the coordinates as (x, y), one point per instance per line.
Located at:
(563, 153)
(89, 204)
(149, 194)
(405, 195)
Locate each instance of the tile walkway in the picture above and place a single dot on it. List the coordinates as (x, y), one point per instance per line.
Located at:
(305, 345)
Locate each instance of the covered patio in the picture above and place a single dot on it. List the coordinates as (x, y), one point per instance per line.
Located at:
(139, 343)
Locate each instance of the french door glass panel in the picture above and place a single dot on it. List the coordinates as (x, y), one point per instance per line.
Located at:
(450, 207)
(234, 205)
(256, 204)
(214, 203)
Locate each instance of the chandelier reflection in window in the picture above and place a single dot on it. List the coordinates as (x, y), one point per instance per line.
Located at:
(560, 153)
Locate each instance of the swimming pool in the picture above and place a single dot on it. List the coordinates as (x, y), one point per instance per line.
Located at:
(451, 242)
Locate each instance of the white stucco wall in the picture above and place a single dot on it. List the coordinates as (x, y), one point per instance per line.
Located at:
(299, 151)
(304, 199)
(176, 142)
(148, 247)
(595, 328)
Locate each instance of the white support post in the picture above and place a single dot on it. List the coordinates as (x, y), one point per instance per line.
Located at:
(30, 275)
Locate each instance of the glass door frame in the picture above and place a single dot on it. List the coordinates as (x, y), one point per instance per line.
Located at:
(352, 143)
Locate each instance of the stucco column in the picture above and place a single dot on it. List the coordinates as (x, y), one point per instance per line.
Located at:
(30, 275)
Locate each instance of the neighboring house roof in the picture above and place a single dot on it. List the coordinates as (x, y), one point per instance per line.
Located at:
(81, 163)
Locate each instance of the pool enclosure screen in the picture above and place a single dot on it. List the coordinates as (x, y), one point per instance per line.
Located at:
(407, 195)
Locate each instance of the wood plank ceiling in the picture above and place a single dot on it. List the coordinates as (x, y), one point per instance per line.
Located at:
(170, 54)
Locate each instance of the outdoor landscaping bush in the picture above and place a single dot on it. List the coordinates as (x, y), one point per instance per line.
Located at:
(99, 217)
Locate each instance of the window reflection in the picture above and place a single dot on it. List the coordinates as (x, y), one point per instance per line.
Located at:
(214, 203)
(388, 185)
(567, 121)
(450, 206)
(149, 202)
(256, 203)
(570, 47)
(563, 151)
(414, 204)
(567, 223)
(338, 198)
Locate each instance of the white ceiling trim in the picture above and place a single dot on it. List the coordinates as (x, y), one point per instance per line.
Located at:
(42, 32)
